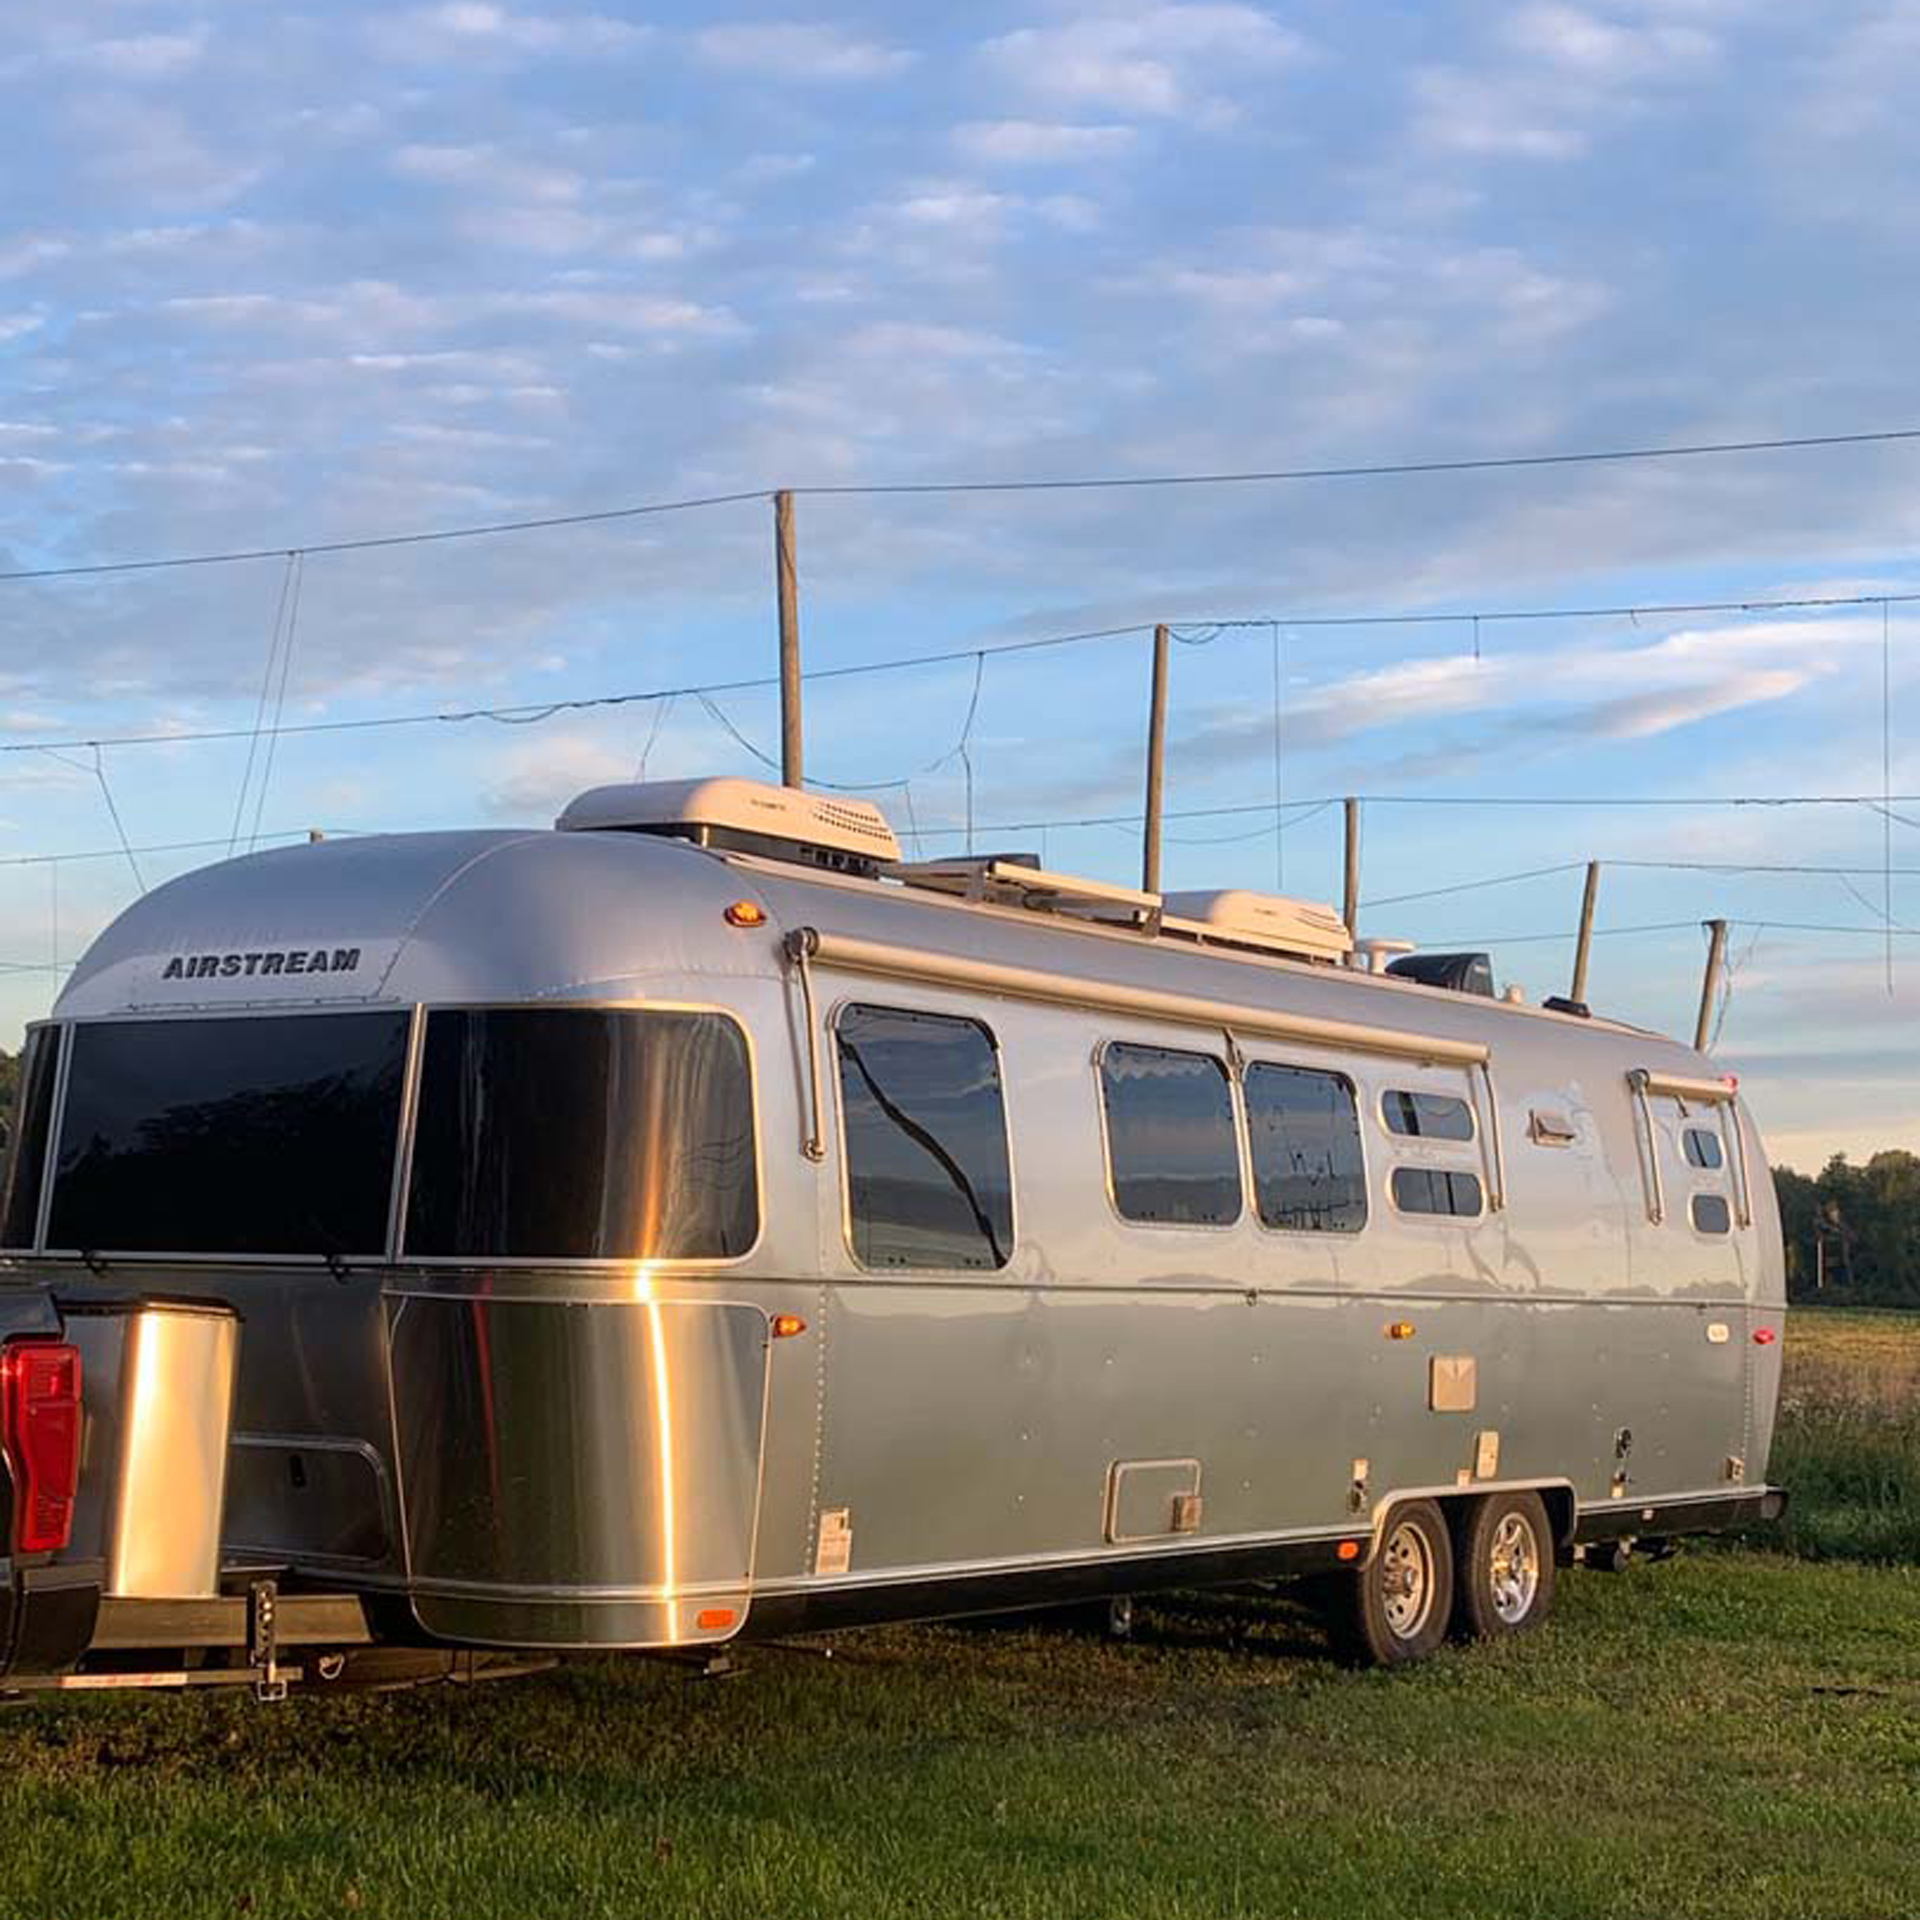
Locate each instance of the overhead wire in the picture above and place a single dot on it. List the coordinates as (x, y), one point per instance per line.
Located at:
(533, 713)
(299, 566)
(1075, 483)
(260, 706)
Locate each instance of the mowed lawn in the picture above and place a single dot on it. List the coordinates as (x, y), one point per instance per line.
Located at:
(1734, 1732)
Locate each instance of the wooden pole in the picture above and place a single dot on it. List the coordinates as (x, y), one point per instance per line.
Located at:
(787, 579)
(1583, 947)
(1710, 984)
(1350, 909)
(1156, 764)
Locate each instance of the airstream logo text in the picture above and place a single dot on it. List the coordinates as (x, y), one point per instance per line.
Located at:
(225, 966)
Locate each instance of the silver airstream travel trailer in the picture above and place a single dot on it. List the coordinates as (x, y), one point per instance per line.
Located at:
(697, 1223)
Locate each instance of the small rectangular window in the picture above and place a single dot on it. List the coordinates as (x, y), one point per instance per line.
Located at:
(1427, 1116)
(1308, 1174)
(1436, 1190)
(1172, 1148)
(1711, 1213)
(26, 1145)
(928, 1179)
(583, 1133)
(1703, 1149)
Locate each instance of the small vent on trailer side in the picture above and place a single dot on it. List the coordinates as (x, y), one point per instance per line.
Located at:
(743, 816)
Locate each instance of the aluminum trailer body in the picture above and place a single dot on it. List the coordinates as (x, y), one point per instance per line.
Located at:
(621, 1256)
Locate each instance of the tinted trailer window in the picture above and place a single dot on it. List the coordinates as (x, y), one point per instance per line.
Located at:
(583, 1133)
(271, 1134)
(928, 1179)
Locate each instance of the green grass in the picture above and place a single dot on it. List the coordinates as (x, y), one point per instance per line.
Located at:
(1724, 1735)
(1732, 1733)
(1849, 1438)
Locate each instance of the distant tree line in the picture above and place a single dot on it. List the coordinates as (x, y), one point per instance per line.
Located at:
(1853, 1234)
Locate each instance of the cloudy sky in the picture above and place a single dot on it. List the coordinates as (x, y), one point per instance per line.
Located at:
(272, 276)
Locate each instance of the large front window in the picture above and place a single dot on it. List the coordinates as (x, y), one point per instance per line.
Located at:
(579, 1133)
(540, 1133)
(257, 1135)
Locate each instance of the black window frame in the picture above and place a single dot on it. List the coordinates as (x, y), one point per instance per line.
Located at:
(1236, 1122)
(39, 1033)
(1448, 1174)
(1414, 1095)
(848, 1229)
(1343, 1080)
(403, 1255)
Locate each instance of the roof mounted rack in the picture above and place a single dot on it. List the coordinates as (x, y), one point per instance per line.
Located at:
(1018, 880)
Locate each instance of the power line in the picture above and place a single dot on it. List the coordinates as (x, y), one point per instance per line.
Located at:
(1374, 470)
(239, 555)
(1642, 610)
(161, 846)
(533, 713)
(1668, 926)
(1733, 867)
(1299, 812)
(1080, 483)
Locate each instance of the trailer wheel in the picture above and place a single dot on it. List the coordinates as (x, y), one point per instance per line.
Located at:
(1506, 1568)
(1397, 1607)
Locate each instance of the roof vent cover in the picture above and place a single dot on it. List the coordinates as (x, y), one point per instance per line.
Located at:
(742, 816)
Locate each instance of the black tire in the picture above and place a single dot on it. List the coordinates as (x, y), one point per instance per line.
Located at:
(1504, 1579)
(1397, 1607)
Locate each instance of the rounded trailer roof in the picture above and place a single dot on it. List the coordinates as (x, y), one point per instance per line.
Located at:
(469, 916)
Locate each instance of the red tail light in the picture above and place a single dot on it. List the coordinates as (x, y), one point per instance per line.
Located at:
(40, 1418)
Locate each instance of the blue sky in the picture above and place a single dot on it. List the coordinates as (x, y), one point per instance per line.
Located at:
(273, 275)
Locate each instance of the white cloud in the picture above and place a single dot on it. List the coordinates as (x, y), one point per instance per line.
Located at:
(1019, 143)
(15, 326)
(144, 56)
(469, 28)
(1551, 694)
(487, 168)
(1158, 61)
(799, 50)
(1588, 43)
(1472, 113)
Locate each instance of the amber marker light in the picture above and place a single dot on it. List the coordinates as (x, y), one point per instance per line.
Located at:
(1400, 1329)
(786, 1325)
(712, 1619)
(746, 913)
(1348, 1549)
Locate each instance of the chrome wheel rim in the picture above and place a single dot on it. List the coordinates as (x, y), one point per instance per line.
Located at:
(1514, 1569)
(1406, 1580)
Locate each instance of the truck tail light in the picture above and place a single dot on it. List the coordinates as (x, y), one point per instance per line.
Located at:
(40, 1423)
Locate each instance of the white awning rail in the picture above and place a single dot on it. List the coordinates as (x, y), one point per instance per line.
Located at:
(848, 955)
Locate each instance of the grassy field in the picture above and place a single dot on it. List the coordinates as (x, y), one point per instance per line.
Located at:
(1736, 1732)
(1849, 1438)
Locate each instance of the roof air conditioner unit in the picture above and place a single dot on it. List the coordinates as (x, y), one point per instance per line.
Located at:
(1260, 922)
(742, 816)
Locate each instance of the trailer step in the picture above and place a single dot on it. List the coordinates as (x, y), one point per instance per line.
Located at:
(300, 1620)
